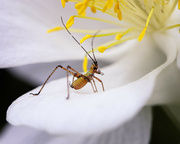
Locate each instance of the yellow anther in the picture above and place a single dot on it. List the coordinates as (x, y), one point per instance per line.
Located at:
(79, 5)
(179, 4)
(102, 49)
(116, 7)
(142, 34)
(118, 11)
(54, 29)
(70, 22)
(63, 2)
(119, 15)
(118, 36)
(147, 22)
(93, 9)
(104, 8)
(82, 10)
(86, 1)
(85, 38)
(108, 4)
(85, 64)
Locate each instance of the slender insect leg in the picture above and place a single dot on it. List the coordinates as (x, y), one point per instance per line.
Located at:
(68, 82)
(59, 66)
(100, 82)
(77, 74)
(94, 85)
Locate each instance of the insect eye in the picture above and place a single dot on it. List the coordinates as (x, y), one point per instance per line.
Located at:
(95, 68)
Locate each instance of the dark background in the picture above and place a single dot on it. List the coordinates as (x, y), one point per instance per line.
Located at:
(164, 130)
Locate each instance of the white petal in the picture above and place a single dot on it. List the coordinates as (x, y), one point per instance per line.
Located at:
(91, 113)
(174, 19)
(23, 33)
(83, 113)
(37, 73)
(167, 87)
(137, 131)
(175, 34)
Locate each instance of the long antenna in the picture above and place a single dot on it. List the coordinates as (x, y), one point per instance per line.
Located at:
(94, 61)
(92, 45)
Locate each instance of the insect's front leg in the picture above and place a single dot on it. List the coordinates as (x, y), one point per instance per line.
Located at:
(94, 85)
(100, 82)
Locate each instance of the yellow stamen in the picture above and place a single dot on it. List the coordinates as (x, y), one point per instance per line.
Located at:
(116, 7)
(93, 9)
(102, 49)
(118, 36)
(63, 2)
(102, 35)
(118, 11)
(85, 38)
(85, 63)
(70, 22)
(171, 27)
(108, 4)
(82, 10)
(147, 22)
(142, 34)
(113, 43)
(98, 19)
(79, 5)
(179, 4)
(54, 29)
(119, 15)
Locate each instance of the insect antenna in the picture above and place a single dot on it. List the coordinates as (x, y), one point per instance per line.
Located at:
(92, 46)
(94, 60)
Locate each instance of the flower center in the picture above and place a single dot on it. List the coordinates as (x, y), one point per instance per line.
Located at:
(136, 18)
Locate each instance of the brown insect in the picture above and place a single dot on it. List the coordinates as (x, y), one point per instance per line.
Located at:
(81, 80)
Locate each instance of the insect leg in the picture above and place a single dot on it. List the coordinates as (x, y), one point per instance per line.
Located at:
(100, 82)
(94, 85)
(59, 66)
(76, 74)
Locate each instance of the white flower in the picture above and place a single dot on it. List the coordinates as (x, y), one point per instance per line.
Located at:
(137, 76)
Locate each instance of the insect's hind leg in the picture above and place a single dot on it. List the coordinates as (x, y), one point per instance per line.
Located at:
(59, 66)
(76, 74)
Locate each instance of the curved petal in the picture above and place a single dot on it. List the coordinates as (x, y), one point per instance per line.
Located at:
(166, 89)
(91, 113)
(125, 134)
(175, 32)
(167, 85)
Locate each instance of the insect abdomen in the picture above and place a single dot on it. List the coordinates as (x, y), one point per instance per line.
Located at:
(79, 83)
